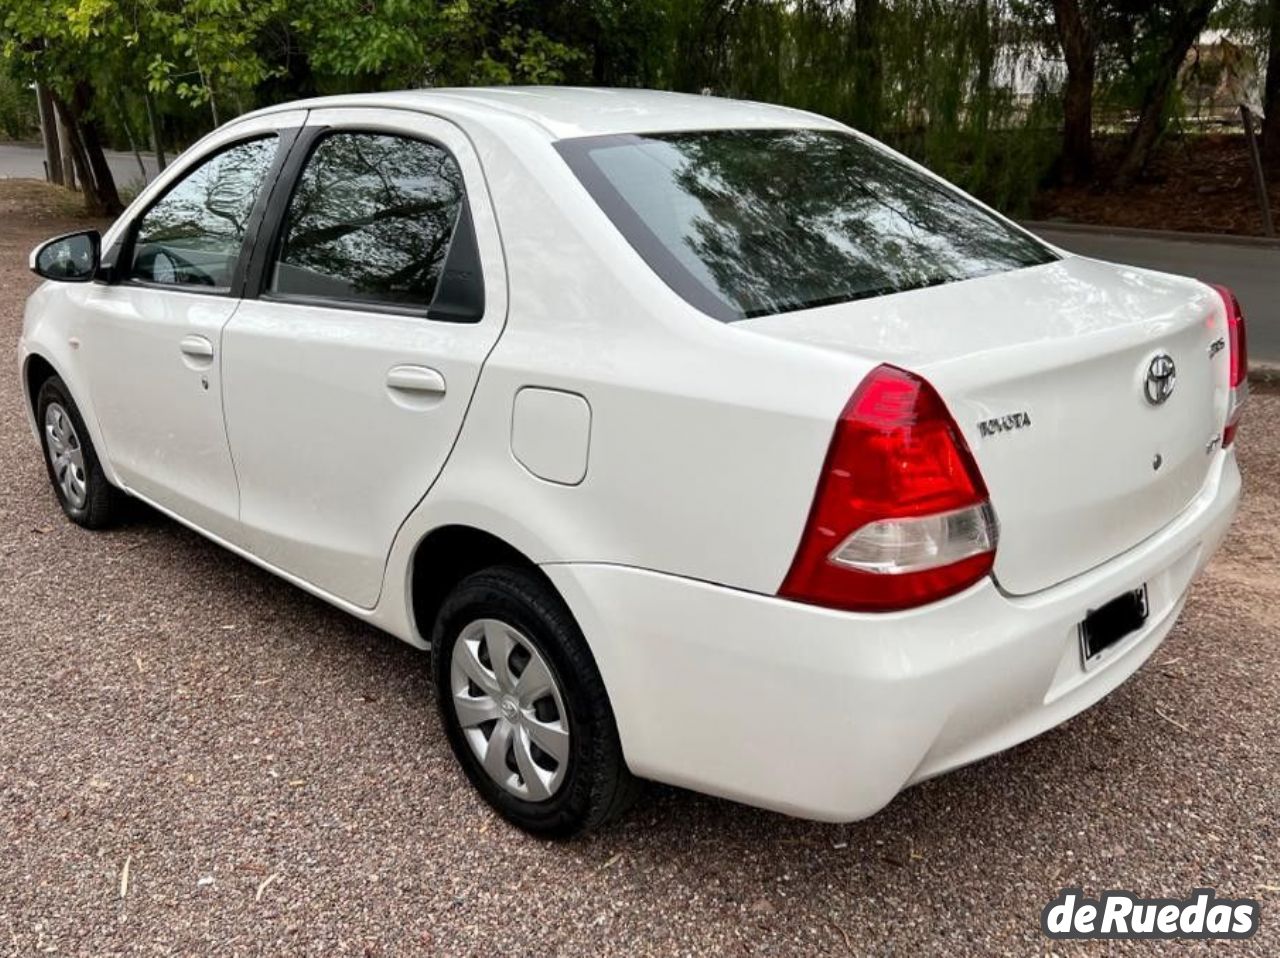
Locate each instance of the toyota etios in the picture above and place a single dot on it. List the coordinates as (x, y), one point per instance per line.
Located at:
(700, 441)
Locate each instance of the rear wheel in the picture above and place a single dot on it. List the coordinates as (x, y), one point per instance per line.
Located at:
(524, 707)
(75, 471)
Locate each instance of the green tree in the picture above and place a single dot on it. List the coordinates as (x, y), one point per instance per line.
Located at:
(393, 44)
(1271, 91)
(1079, 32)
(72, 46)
(1167, 32)
(205, 52)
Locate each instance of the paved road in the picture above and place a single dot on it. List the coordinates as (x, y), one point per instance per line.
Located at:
(26, 161)
(1252, 271)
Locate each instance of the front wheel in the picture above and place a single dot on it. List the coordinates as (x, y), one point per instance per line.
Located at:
(75, 471)
(524, 706)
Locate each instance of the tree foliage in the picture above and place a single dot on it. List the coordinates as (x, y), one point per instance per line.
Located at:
(1000, 94)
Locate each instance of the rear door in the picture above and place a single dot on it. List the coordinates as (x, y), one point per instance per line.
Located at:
(350, 365)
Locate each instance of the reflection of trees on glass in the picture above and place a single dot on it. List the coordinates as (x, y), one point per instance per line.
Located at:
(194, 234)
(370, 220)
(776, 220)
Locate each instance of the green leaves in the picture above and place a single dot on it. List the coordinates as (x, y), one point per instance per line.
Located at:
(391, 44)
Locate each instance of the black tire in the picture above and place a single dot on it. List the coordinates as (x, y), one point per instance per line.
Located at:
(597, 786)
(102, 503)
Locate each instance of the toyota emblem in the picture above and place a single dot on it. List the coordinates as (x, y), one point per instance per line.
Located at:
(1162, 374)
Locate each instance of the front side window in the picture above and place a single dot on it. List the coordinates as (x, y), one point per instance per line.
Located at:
(192, 236)
(749, 223)
(370, 221)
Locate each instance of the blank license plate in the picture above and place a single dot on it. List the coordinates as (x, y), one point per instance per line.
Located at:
(1104, 627)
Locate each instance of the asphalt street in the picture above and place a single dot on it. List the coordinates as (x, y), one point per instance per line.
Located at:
(1251, 269)
(26, 161)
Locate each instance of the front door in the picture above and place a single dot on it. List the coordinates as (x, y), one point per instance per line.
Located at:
(152, 340)
(352, 360)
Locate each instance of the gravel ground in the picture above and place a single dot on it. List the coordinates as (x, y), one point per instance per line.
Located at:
(197, 758)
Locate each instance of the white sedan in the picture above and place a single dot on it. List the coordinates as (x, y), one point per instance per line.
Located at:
(700, 441)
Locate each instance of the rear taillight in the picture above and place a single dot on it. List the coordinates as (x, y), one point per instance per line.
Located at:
(1238, 357)
(901, 515)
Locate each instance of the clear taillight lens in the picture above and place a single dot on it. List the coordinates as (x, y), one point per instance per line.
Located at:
(900, 546)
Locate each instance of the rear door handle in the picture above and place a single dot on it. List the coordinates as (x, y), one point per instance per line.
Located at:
(197, 347)
(416, 379)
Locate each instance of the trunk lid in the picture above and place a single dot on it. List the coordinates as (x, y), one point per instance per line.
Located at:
(1045, 370)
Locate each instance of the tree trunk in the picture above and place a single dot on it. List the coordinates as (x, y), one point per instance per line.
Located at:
(104, 182)
(49, 135)
(986, 62)
(157, 140)
(100, 196)
(1271, 95)
(65, 150)
(1183, 33)
(868, 70)
(1080, 51)
(79, 162)
(128, 132)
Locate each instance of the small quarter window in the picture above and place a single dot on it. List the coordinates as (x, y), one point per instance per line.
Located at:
(193, 235)
(370, 221)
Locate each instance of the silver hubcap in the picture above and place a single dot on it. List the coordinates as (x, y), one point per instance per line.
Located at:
(66, 456)
(510, 709)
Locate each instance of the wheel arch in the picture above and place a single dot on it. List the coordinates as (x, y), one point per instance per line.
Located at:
(448, 554)
(35, 371)
(37, 367)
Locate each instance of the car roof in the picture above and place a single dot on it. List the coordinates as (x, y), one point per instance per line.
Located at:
(564, 112)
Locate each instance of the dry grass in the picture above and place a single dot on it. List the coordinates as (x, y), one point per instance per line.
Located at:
(33, 200)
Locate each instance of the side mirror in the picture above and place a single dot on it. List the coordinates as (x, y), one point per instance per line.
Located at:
(72, 258)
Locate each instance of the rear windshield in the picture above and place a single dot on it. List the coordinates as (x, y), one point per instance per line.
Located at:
(748, 223)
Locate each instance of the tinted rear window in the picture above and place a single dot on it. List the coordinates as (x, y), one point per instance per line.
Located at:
(748, 223)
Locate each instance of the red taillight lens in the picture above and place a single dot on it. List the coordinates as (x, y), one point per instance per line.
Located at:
(1239, 359)
(901, 515)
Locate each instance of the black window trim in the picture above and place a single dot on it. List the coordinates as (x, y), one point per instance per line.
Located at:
(303, 148)
(118, 262)
(576, 153)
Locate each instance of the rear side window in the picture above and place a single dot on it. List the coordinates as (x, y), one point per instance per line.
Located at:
(193, 235)
(370, 221)
(746, 223)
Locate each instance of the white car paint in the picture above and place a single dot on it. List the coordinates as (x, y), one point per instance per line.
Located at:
(305, 365)
(669, 531)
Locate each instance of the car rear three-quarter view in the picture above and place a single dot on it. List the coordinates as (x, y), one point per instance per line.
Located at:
(700, 441)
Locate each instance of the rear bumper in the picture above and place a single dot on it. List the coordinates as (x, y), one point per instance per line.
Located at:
(827, 714)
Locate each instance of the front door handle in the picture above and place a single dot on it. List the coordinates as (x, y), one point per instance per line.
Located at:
(197, 347)
(416, 379)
